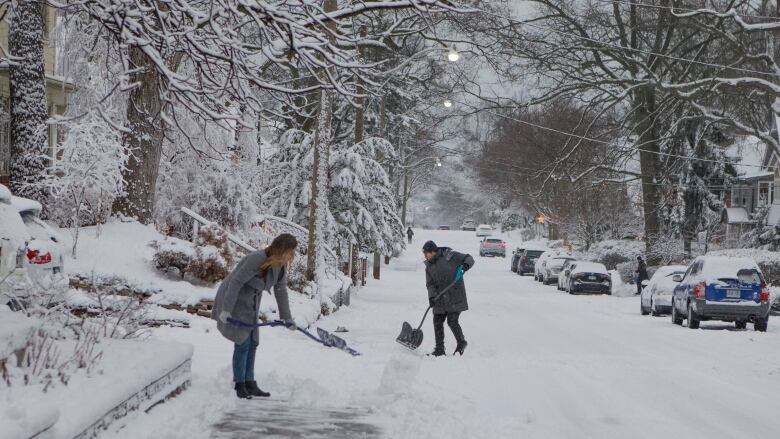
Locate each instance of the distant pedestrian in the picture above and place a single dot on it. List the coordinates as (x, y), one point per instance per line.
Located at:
(410, 234)
(641, 274)
(442, 267)
(238, 301)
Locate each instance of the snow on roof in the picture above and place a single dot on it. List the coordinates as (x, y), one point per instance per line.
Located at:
(748, 156)
(736, 215)
(5, 194)
(723, 266)
(26, 204)
(589, 267)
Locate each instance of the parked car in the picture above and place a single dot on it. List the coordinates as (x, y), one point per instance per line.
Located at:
(657, 292)
(540, 263)
(45, 252)
(484, 230)
(516, 255)
(492, 247)
(527, 262)
(588, 277)
(443, 227)
(722, 288)
(13, 245)
(552, 268)
(468, 225)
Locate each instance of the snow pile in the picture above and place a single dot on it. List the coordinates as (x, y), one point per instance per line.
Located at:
(15, 330)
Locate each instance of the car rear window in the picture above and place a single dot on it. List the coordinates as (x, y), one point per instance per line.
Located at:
(534, 253)
(493, 240)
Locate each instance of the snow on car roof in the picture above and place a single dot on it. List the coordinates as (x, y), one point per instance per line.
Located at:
(5, 194)
(719, 266)
(589, 267)
(484, 226)
(26, 204)
(669, 269)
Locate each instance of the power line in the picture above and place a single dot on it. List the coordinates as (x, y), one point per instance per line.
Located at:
(605, 142)
(675, 8)
(631, 49)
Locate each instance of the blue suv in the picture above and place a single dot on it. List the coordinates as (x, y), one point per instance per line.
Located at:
(721, 288)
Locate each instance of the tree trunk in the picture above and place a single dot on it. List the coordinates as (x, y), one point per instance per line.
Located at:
(645, 129)
(144, 140)
(28, 134)
(318, 205)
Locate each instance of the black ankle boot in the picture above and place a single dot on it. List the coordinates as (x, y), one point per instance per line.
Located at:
(438, 352)
(242, 392)
(461, 347)
(251, 387)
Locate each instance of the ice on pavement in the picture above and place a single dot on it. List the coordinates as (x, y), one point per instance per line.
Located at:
(540, 364)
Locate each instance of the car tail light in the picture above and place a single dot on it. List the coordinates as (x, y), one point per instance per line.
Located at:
(503, 244)
(698, 290)
(764, 297)
(35, 257)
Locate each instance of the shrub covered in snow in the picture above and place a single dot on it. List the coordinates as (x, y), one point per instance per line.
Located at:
(173, 254)
(213, 257)
(612, 252)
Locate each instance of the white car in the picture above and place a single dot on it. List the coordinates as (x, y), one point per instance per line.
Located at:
(468, 225)
(553, 267)
(44, 255)
(484, 230)
(658, 291)
(540, 265)
(13, 246)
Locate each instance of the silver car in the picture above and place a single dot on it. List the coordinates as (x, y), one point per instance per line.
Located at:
(657, 293)
(553, 267)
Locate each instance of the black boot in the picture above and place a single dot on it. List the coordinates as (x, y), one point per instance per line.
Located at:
(461, 347)
(242, 392)
(438, 352)
(251, 387)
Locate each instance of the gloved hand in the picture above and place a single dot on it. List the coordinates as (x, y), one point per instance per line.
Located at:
(431, 302)
(459, 274)
(290, 324)
(224, 316)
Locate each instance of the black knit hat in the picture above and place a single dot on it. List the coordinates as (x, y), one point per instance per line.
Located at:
(430, 246)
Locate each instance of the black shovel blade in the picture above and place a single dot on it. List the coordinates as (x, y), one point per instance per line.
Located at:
(410, 337)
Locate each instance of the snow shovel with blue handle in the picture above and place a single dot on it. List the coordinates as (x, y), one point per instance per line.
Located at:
(325, 338)
(413, 338)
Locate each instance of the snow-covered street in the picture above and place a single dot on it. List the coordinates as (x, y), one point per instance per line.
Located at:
(540, 363)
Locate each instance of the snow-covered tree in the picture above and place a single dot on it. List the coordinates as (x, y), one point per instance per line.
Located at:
(28, 130)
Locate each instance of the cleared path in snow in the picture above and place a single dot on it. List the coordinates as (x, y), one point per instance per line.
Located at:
(540, 364)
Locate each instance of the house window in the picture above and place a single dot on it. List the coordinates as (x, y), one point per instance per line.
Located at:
(766, 192)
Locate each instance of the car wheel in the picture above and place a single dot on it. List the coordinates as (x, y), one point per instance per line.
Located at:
(653, 309)
(569, 290)
(642, 309)
(740, 324)
(676, 318)
(693, 319)
(761, 325)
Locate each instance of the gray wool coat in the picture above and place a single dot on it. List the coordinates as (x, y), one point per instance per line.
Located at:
(440, 272)
(240, 294)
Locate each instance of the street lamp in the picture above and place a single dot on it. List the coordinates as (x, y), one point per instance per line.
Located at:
(453, 55)
(447, 103)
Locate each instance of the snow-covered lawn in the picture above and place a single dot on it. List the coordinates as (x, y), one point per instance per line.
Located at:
(540, 364)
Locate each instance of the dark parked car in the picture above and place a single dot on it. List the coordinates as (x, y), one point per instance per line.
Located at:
(527, 261)
(722, 288)
(588, 277)
(443, 227)
(516, 255)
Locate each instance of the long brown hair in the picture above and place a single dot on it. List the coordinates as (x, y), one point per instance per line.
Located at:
(276, 252)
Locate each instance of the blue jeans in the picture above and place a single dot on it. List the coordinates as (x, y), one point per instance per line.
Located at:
(244, 360)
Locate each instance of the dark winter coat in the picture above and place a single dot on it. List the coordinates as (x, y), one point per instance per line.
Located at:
(240, 294)
(641, 272)
(409, 233)
(440, 272)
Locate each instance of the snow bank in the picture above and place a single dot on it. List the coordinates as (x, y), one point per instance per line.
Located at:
(15, 330)
(612, 252)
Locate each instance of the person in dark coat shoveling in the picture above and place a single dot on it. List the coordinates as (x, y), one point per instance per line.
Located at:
(442, 267)
(238, 300)
(641, 274)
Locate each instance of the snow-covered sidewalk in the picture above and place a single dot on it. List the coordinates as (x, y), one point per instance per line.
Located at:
(540, 363)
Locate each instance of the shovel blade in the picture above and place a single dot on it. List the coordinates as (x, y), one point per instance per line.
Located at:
(410, 337)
